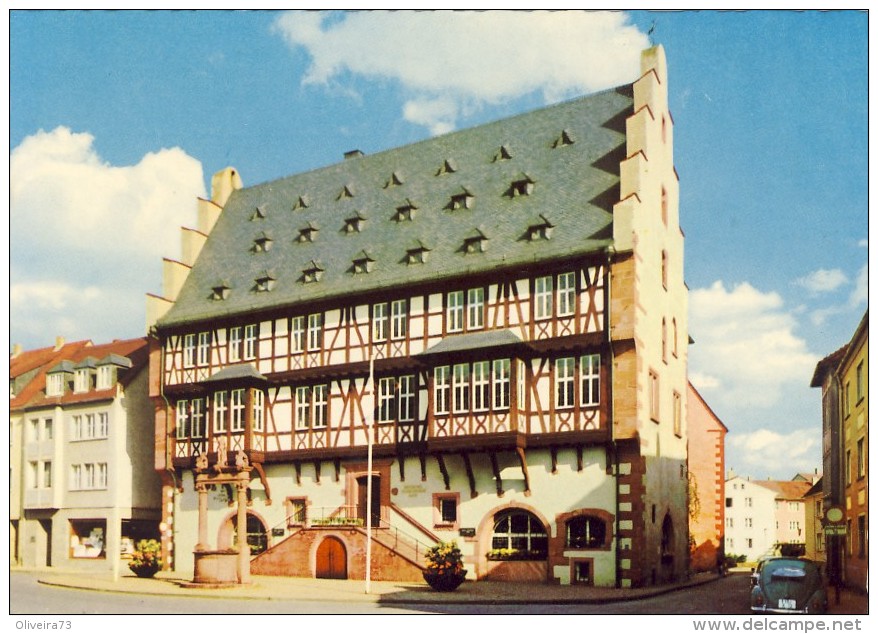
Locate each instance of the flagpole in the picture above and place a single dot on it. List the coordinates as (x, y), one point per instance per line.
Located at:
(370, 416)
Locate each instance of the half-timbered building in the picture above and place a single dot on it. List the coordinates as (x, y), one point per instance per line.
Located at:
(494, 319)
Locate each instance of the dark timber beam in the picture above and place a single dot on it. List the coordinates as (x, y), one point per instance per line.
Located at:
(469, 474)
(298, 466)
(337, 463)
(522, 458)
(317, 470)
(554, 452)
(264, 480)
(497, 477)
(423, 458)
(441, 462)
(402, 468)
(579, 458)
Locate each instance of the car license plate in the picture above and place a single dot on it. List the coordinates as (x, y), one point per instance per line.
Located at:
(786, 604)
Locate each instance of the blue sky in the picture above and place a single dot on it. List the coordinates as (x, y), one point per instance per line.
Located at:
(118, 119)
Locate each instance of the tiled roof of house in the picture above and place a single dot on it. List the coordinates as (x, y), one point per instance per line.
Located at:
(135, 350)
(534, 187)
(37, 362)
(786, 490)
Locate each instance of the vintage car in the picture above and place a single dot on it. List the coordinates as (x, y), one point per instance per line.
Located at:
(788, 585)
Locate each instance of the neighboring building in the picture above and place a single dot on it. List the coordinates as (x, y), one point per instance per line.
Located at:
(707, 451)
(762, 515)
(88, 485)
(501, 311)
(27, 370)
(843, 378)
(815, 540)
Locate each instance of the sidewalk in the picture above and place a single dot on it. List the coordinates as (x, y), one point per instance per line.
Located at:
(388, 592)
(347, 591)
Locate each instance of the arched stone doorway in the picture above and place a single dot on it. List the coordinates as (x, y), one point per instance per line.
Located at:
(257, 534)
(332, 559)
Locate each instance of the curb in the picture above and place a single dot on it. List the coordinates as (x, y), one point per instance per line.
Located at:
(247, 593)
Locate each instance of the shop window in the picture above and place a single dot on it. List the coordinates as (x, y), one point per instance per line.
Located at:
(87, 539)
(518, 534)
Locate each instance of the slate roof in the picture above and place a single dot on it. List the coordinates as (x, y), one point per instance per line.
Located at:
(568, 154)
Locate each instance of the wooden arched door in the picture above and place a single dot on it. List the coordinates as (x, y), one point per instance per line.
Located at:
(332, 559)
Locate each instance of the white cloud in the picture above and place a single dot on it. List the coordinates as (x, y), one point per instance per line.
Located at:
(558, 54)
(703, 381)
(860, 294)
(769, 453)
(746, 341)
(87, 237)
(62, 192)
(823, 280)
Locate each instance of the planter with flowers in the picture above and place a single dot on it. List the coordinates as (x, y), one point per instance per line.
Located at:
(147, 558)
(445, 571)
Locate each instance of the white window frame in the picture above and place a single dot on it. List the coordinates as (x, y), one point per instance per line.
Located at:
(460, 387)
(106, 376)
(386, 399)
(543, 294)
(481, 386)
(590, 380)
(501, 383)
(196, 418)
(320, 406)
(189, 350)
(103, 429)
(235, 344)
(90, 426)
(442, 389)
(454, 311)
(315, 331)
(203, 350)
(258, 410)
(101, 476)
(236, 407)
(380, 321)
(46, 474)
(81, 380)
(251, 334)
(220, 411)
(398, 319)
(182, 419)
(565, 382)
(566, 294)
(297, 331)
(405, 409)
(303, 407)
(55, 384)
(75, 477)
(77, 427)
(475, 308)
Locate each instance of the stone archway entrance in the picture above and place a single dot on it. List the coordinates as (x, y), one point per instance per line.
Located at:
(332, 559)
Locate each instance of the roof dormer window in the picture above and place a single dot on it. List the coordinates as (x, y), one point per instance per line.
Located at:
(264, 282)
(564, 139)
(363, 263)
(307, 233)
(417, 254)
(220, 291)
(258, 214)
(301, 203)
(541, 230)
(262, 243)
(82, 380)
(354, 224)
(312, 273)
(395, 180)
(462, 199)
(406, 211)
(345, 192)
(448, 167)
(522, 185)
(503, 154)
(475, 242)
(55, 384)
